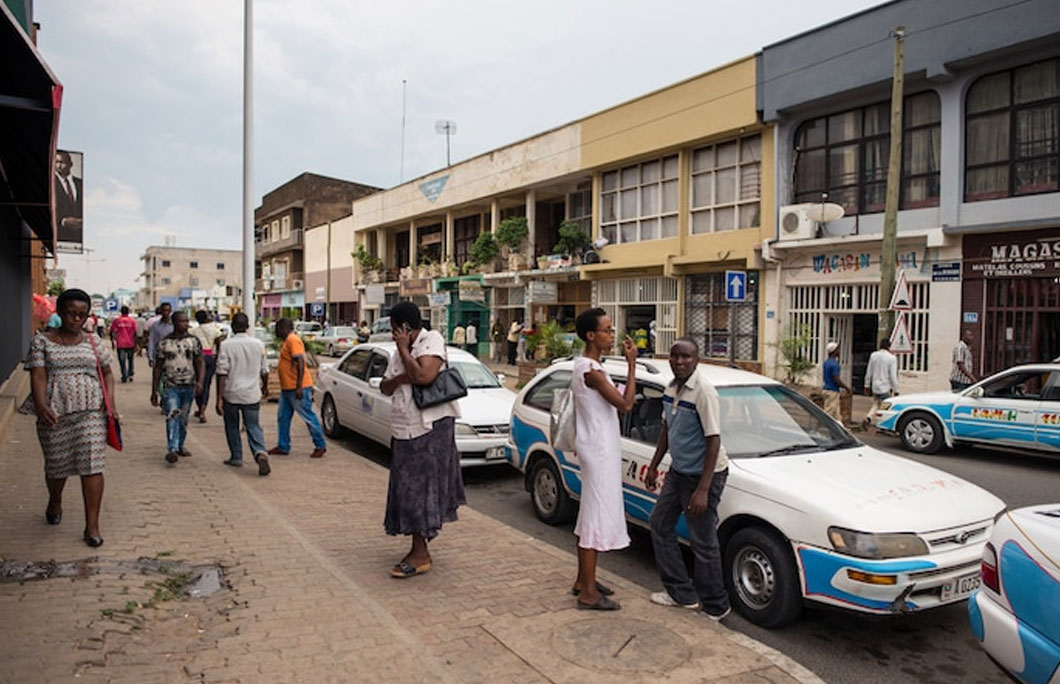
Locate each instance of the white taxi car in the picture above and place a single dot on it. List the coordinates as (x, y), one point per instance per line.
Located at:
(808, 513)
(1016, 613)
(351, 399)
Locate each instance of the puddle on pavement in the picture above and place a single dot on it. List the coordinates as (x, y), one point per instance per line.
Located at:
(203, 580)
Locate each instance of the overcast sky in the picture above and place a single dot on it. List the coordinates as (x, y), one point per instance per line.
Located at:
(153, 93)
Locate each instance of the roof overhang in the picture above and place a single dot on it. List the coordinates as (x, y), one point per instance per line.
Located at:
(30, 97)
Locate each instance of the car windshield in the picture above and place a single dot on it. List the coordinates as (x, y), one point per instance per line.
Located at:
(772, 420)
(307, 327)
(476, 376)
(344, 331)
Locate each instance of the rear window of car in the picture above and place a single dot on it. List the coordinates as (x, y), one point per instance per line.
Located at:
(540, 395)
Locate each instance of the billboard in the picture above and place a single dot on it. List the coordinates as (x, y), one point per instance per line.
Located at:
(69, 202)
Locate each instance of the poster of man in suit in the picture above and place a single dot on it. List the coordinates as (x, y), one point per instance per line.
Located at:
(69, 201)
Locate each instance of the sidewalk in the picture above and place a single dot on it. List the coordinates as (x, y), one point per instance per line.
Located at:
(308, 596)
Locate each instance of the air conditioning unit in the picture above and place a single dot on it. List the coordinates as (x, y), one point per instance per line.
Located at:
(266, 284)
(795, 223)
(297, 284)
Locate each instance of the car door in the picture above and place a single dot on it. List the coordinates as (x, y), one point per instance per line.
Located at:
(374, 404)
(1047, 422)
(349, 389)
(1005, 413)
(640, 432)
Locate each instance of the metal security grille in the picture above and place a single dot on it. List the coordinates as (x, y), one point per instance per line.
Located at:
(614, 295)
(1022, 322)
(715, 323)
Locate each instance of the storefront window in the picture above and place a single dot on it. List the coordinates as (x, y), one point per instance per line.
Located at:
(716, 324)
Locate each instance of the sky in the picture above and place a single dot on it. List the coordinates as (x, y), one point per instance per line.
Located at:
(153, 93)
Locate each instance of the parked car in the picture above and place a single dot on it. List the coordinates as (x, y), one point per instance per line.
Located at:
(1018, 407)
(1014, 614)
(272, 354)
(308, 330)
(381, 330)
(809, 512)
(339, 339)
(351, 399)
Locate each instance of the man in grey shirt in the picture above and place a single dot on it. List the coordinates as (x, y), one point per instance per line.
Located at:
(162, 329)
(242, 380)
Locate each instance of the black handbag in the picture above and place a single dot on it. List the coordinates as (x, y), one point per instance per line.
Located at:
(448, 385)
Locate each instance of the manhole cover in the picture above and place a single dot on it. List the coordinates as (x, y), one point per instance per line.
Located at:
(620, 645)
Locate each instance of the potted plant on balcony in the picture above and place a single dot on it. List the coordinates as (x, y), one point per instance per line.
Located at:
(371, 266)
(484, 252)
(423, 269)
(511, 233)
(572, 240)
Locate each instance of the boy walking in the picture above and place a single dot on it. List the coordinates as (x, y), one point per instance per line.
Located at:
(699, 468)
(178, 365)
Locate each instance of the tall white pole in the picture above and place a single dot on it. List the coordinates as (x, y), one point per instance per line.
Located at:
(248, 160)
(401, 178)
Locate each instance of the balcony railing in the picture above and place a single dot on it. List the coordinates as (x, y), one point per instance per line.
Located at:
(266, 248)
(293, 281)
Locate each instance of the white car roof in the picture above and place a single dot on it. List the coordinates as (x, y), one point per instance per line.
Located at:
(659, 371)
(391, 348)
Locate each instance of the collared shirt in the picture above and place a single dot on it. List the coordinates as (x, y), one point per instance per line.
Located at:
(159, 331)
(242, 361)
(882, 373)
(285, 368)
(177, 356)
(830, 373)
(408, 421)
(692, 413)
(962, 353)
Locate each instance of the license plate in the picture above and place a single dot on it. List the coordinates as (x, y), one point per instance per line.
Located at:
(496, 453)
(962, 586)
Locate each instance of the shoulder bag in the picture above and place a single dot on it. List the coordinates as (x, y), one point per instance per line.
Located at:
(448, 385)
(561, 419)
(113, 426)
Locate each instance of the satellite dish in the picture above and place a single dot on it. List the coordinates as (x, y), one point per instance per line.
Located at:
(824, 212)
(600, 242)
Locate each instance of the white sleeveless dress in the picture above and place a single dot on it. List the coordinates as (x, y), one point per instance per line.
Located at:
(601, 518)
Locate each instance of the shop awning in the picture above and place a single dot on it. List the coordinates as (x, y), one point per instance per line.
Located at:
(30, 96)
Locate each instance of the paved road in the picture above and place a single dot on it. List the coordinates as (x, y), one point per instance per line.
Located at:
(934, 647)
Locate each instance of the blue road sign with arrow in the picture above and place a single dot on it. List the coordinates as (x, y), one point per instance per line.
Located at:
(735, 286)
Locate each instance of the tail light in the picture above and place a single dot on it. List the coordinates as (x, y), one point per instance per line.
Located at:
(989, 568)
(343, 340)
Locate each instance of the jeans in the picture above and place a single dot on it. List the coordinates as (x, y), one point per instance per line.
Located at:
(255, 436)
(176, 402)
(707, 586)
(210, 363)
(957, 385)
(512, 348)
(289, 405)
(125, 361)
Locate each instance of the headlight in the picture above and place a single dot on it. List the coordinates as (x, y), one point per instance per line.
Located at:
(465, 430)
(877, 546)
(885, 405)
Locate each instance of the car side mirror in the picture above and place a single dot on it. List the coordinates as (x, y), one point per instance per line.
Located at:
(501, 377)
(375, 383)
(976, 393)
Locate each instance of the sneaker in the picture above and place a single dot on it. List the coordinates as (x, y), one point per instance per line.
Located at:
(663, 598)
(263, 464)
(277, 451)
(720, 616)
(234, 462)
(171, 457)
(317, 453)
(184, 452)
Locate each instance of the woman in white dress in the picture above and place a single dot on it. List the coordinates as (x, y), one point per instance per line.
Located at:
(601, 517)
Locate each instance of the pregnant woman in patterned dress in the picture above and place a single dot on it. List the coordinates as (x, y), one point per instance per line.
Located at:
(71, 421)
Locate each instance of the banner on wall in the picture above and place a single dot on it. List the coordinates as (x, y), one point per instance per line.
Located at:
(69, 201)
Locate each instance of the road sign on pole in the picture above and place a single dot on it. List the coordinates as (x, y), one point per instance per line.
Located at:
(735, 286)
(901, 343)
(901, 300)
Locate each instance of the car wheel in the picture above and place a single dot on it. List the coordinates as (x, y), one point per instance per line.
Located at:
(761, 577)
(920, 433)
(330, 418)
(551, 502)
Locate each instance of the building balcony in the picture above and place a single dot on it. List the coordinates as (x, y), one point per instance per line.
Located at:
(291, 242)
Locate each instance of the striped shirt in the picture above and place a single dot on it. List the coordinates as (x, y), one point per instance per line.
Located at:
(962, 354)
(692, 413)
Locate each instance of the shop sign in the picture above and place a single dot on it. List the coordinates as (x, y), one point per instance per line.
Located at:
(542, 292)
(842, 263)
(415, 286)
(1017, 258)
(948, 272)
(471, 291)
(438, 299)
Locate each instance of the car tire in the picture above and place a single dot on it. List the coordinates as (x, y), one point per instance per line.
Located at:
(329, 418)
(761, 577)
(920, 433)
(552, 503)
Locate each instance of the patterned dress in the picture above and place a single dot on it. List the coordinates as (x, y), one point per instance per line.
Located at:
(77, 445)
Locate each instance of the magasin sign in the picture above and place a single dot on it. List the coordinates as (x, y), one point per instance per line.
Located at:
(1012, 255)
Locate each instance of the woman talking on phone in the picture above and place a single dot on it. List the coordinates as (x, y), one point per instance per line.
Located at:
(601, 522)
(425, 486)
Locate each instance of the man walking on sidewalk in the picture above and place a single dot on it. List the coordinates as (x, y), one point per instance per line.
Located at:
(296, 392)
(123, 337)
(179, 367)
(832, 382)
(699, 468)
(881, 377)
(961, 376)
(242, 380)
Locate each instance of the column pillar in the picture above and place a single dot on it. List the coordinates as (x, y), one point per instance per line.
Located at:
(531, 220)
(495, 214)
(381, 246)
(447, 249)
(414, 243)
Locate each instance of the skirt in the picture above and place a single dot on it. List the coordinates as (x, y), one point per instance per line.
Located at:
(425, 486)
(77, 445)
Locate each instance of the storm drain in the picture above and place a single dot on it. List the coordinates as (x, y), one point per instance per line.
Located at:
(620, 645)
(189, 581)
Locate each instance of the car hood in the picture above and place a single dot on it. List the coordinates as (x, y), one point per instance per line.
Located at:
(488, 406)
(871, 491)
(929, 398)
(1041, 524)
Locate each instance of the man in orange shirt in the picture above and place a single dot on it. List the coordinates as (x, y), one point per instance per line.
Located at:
(296, 392)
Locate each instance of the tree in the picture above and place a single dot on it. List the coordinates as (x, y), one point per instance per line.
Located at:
(794, 349)
(512, 232)
(572, 239)
(484, 249)
(56, 287)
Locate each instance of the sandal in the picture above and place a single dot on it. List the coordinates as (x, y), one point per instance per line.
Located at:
(603, 603)
(403, 569)
(601, 588)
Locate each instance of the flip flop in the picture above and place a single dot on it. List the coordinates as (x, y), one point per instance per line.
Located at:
(600, 588)
(403, 569)
(603, 603)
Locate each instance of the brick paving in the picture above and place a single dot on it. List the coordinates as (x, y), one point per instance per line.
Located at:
(309, 596)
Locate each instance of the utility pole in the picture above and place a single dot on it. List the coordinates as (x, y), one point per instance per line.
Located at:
(888, 251)
(248, 161)
(327, 284)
